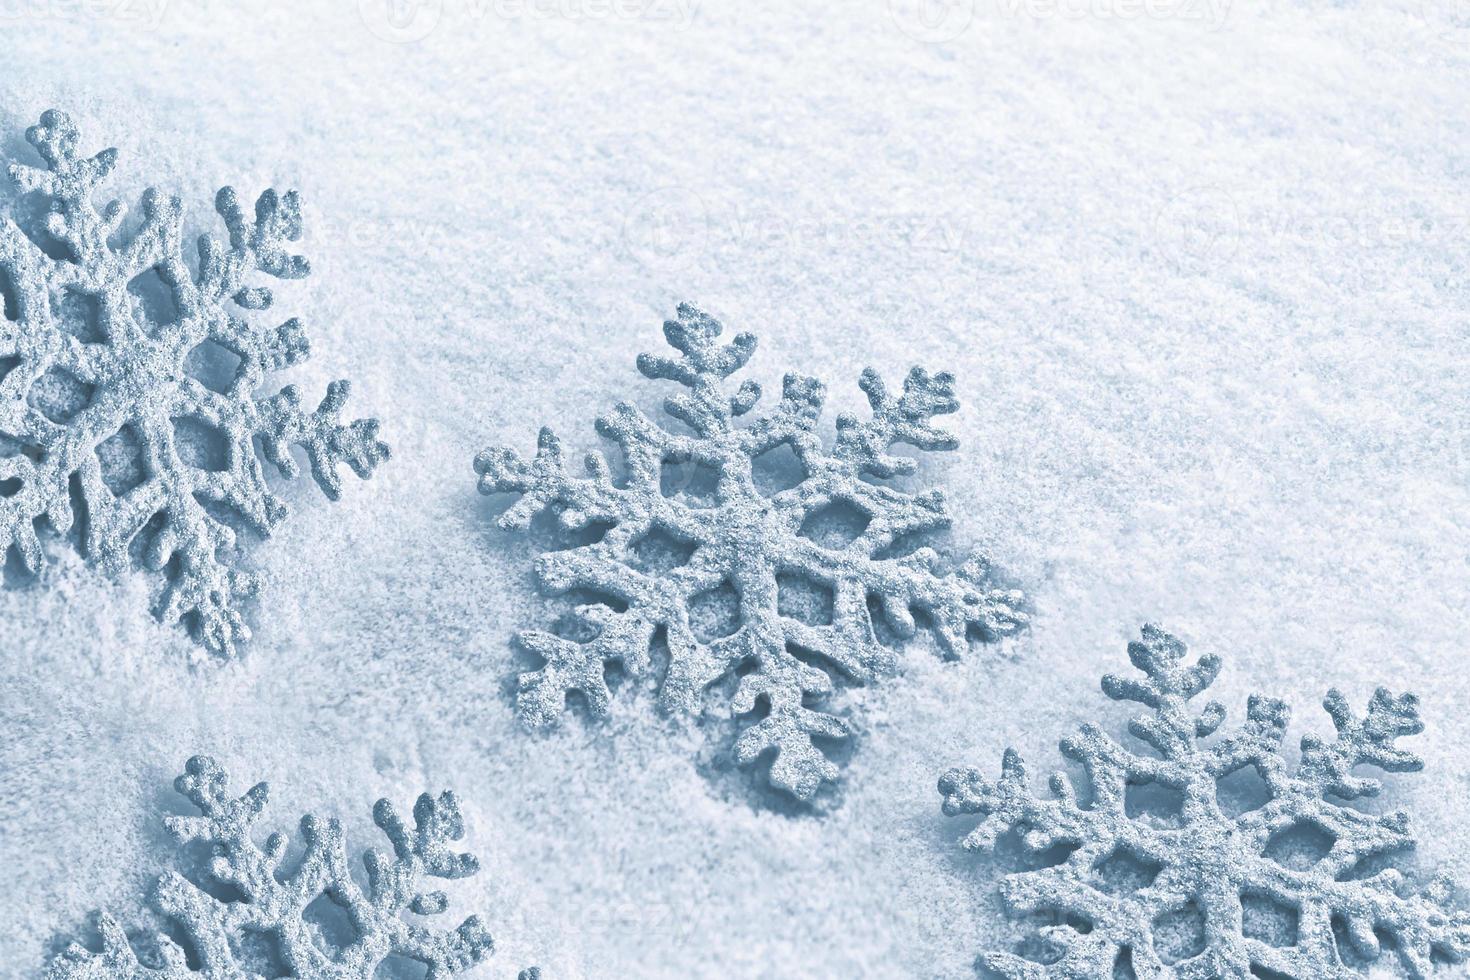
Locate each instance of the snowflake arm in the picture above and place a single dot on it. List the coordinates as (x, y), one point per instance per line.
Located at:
(77, 381)
(783, 668)
(272, 902)
(1202, 863)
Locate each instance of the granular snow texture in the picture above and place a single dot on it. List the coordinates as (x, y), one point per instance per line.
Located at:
(1202, 273)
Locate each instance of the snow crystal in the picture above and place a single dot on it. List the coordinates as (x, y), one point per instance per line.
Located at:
(1285, 887)
(756, 544)
(98, 393)
(266, 922)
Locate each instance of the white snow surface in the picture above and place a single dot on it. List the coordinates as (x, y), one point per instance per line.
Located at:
(1203, 274)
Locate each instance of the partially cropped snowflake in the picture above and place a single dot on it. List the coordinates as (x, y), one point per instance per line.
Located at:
(799, 598)
(1203, 881)
(98, 386)
(258, 917)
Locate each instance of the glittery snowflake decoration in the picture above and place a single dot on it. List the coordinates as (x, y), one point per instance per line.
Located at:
(1205, 881)
(269, 924)
(799, 597)
(107, 344)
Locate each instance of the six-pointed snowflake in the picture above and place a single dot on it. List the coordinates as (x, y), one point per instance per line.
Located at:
(1284, 886)
(783, 648)
(263, 925)
(98, 388)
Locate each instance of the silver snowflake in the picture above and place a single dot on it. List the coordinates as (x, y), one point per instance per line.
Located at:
(1207, 883)
(801, 600)
(98, 389)
(265, 924)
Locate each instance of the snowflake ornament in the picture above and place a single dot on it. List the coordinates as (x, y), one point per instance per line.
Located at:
(265, 927)
(98, 389)
(801, 618)
(1213, 886)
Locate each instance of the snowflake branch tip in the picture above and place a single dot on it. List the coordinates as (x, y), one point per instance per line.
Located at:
(1366, 741)
(327, 441)
(695, 334)
(1169, 681)
(905, 419)
(1265, 887)
(55, 138)
(689, 536)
